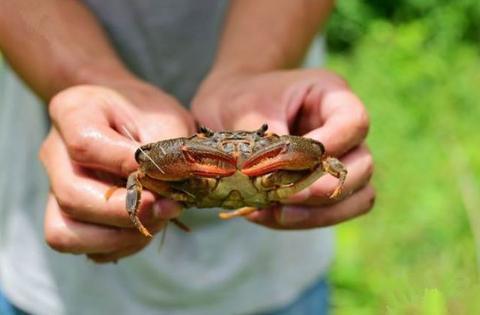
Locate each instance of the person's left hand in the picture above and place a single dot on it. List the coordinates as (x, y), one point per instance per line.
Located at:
(312, 103)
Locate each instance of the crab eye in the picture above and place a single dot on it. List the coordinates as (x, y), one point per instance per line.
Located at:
(261, 130)
(206, 131)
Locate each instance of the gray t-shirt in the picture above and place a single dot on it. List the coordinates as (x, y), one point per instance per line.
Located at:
(230, 267)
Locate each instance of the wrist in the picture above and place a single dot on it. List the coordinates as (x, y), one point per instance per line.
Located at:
(235, 70)
(112, 76)
(106, 75)
(219, 78)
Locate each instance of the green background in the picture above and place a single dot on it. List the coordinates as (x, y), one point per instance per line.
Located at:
(416, 66)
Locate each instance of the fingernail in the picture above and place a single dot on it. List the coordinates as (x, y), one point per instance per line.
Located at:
(292, 214)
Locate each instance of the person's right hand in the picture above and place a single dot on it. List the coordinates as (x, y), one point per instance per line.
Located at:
(88, 142)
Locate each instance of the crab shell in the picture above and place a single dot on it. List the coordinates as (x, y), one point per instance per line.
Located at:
(229, 169)
(233, 169)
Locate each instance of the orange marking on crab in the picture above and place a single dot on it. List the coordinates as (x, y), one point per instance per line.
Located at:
(266, 167)
(279, 158)
(196, 155)
(207, 170)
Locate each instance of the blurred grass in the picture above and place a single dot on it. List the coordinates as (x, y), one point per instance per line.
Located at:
(416, 252)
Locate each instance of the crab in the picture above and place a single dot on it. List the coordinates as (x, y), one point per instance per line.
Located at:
(241, 170)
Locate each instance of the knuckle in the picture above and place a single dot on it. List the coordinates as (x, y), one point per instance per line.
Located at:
(327, 220)
(64, 100)
(79, 146)
(56, 104)
(362, 122)
(46, 148)
(370, 200)
(42, 153)
(369, 166)
(57, 238)
(72, 100)
(365, 210)
(65, 198)
(330, 77)
(371, 193)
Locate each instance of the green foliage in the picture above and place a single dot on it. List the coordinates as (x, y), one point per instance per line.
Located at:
(352, 18)
(419, 75)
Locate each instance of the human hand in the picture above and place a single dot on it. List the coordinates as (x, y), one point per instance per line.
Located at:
(87, 145)
(312, 103)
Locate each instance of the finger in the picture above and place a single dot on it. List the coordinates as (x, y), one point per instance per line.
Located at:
(93, 129)
(359, 164)
(82, 197)
(335, 116)
(301, 217)
(98, 146)
(116, 255)
(71, 236)
(166, 209)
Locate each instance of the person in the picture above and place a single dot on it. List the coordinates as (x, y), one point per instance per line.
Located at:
(105, 67)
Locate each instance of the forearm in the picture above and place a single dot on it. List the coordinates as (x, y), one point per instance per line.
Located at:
(269, 34)
(54, 44)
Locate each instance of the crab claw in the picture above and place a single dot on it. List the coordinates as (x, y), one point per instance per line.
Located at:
(292, 164)
(208, 162)
(174, 159)
(290, 153)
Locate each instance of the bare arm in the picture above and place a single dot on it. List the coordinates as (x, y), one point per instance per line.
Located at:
(269, 34)
(54, 44)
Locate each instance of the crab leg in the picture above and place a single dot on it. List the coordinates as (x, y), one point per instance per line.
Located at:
(335, 168)
(134, 190)
(237, 213)
(164, 189)
(182, 226)
(330, 165)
